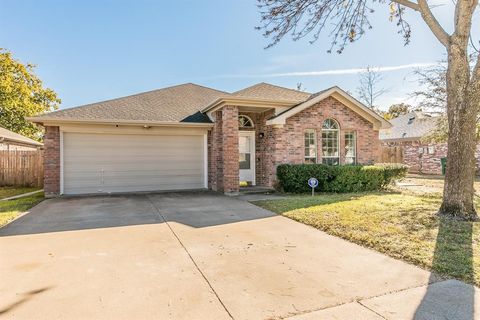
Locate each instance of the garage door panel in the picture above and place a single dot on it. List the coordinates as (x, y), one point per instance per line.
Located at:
(124, 165)
(136, 188)
(95, 163)
(125, 176)
(134, 140)
(140, 150)
(91, 170)
(131, 186)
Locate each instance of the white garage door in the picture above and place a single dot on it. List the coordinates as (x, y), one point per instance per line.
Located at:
(99, 163)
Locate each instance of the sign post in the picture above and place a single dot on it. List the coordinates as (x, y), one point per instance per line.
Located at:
(313, 183)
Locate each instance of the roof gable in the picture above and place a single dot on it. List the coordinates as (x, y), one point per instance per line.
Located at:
(340, 95)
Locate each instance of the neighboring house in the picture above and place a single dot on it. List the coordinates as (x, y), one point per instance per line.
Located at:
(191, 137)
(407, 132)
(10, 141)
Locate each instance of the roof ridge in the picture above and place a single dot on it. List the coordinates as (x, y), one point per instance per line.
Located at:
(272, 85)
(295, 90)
(134, 95)
(200, 85)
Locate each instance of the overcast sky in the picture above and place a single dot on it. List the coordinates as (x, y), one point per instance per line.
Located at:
(89, 51)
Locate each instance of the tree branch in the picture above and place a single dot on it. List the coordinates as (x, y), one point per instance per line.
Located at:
(463, 18)
(409, 4)
(433, 23)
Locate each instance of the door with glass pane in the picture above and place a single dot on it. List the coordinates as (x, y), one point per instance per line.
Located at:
(246, 148)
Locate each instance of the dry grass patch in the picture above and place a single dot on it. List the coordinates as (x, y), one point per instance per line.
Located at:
(402, 225)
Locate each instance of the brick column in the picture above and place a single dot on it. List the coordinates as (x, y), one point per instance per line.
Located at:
(215, 156)
(230, 162)
(51, 163)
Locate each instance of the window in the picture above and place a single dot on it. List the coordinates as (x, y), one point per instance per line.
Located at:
(244, 152)
(310, 146)
(330, 142)
(350, 147)
(245, 122)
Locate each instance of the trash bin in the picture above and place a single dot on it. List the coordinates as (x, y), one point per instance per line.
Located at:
(444, 164)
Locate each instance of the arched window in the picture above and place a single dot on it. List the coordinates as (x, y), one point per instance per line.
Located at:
(245, 122)
(330, 142)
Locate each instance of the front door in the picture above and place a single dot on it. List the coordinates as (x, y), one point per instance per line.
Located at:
(246, 150)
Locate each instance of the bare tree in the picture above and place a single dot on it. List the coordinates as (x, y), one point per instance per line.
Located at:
(348, 21)
(432, 81)
(432, 96)
(370, 89)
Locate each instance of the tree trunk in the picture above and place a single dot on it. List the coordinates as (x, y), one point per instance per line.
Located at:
(462, 113)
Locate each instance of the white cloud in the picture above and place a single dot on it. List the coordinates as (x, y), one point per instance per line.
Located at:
(329, 72)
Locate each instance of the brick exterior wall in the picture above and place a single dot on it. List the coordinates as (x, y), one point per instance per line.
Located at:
(231, 179)
(282, 144)
(286, 144)
(51, 183)
(274, 145)
(215, 163)
(428, 162)
(223, 151)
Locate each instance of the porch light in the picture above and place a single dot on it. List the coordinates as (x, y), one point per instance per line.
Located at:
(260, 135)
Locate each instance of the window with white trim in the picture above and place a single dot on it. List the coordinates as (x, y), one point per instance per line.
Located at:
(350, 147)
(330, 142)
(310, 146)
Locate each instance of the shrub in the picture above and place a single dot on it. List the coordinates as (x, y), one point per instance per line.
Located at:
(346, 178)
(393, 171)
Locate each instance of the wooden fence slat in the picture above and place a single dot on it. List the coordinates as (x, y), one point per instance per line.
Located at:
(393, 154)
(21, 168)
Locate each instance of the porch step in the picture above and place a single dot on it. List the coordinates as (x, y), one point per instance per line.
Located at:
(256, 190)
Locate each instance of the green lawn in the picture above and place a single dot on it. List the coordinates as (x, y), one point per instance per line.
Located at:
(10, 209)
(402, 225)
(6, 192)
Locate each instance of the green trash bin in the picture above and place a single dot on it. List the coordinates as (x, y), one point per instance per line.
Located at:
(444, 164)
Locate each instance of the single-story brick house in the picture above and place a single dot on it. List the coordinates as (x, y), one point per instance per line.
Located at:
(407, 132)
(190, 137)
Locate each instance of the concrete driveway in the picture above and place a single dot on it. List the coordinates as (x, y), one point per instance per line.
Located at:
(202, 256)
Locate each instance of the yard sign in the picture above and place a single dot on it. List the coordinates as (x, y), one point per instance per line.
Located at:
(313, 183)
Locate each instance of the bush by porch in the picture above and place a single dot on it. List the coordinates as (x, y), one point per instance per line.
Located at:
(345, 178)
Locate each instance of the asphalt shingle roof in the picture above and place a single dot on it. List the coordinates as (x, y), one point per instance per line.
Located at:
(271, 92)
(410, 126)
(181, 103)
(172, 104)
(15, 137)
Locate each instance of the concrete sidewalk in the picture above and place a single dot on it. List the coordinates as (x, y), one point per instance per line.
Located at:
(203, 256)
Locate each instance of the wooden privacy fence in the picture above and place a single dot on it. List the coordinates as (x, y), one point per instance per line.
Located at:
(21, 168)
(393, 154)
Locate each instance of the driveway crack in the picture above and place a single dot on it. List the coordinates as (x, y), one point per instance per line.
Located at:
(366, 307)
(190, 256)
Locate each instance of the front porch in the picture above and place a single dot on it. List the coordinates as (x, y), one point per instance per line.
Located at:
(239, 149)
(251, 137)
